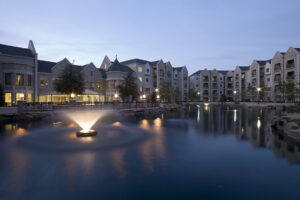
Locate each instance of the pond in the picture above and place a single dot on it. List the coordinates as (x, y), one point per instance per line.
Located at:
(206, 152)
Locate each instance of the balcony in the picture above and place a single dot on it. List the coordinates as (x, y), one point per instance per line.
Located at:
(290, 78)
(290, 64)
(277, 69)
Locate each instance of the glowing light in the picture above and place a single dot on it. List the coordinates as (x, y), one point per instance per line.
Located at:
(258, 123)
(85, 119)
(117, 123)
(156, 89)
(116, 95)
(234, 116)
(206, 104)
(157, 96)
(72, 95)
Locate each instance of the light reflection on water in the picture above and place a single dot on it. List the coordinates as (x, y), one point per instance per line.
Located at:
(188, 150)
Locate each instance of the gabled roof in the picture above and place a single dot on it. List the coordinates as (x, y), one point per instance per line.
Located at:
(102, 71)
(261, 62)
(244, 68)
(224, 72)
(45, 66)
(154, 62)
(116, 66)
(15, 51)
(136, 60)
(282, 53)
(196, 73)
(178, 68)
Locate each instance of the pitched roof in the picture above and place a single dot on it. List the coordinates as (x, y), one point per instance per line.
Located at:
(103, 73)
(297, 49)
(116, 66)
(15, 51)
(196, 73)
(261, 62)
(154, 62)
(136, 60)
(45, 66)
(244, 68)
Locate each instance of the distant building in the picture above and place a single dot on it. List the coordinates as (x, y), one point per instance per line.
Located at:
(180, 82)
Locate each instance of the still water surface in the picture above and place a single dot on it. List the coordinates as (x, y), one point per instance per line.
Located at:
(205, 153)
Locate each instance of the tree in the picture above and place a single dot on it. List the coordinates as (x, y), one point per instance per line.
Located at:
(193, 96)
(1, 96)
(167, 92)
(290, 91)
(251, 90)
(69, 81)
(128, 90)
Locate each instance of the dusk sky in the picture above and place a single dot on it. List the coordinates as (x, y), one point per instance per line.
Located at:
(199, 34)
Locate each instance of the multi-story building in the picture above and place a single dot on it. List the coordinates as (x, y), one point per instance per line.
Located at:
(18, 73)
(240, 82)
(268, 84)
(115, 75)
(277, 65)
(94, 82)
(180, 82)
(292, 67)
(144, 71)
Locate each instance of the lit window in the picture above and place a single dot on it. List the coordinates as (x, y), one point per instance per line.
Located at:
(20, 80)
(99, 86)
(140, 69)
(91, 85)
(140, 79)
(43, 82)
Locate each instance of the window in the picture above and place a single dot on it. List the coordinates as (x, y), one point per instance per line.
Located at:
(43, 82)
(99, 86)
(92, 85)
(20, 80)
(8, 99)
(147, 80)
(115, 84)
(140, 79)
(268, 79)
(8, 78)
(29, 80)
(140, 69)
(148, 70)
(267, 70)
(92, 73)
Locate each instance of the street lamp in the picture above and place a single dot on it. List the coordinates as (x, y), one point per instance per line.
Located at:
(234, 95)
(258, 90)
(198, 93)
(116, 95)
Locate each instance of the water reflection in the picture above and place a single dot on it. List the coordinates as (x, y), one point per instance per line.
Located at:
(249, 125)
(154, 147)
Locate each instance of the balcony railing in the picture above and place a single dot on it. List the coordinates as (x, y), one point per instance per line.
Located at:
(277, 69)
(289, 66)
(290, 78)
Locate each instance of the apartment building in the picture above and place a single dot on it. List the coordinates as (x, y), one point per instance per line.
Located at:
(277, 68)
(291, 71)
(94, 82)
(180, 82)
(240, 82)
(18, 73)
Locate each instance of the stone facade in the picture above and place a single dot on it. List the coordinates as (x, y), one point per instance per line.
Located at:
(17, 73)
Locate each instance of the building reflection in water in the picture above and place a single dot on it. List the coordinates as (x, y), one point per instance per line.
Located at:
(154, 146)
(249, 124)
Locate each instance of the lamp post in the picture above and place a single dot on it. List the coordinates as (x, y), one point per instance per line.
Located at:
(72, 101)
(258, 90)
(198, 93)
(234, 95)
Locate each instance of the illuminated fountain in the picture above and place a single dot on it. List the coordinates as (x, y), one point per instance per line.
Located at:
(85, 119)
(99, 130)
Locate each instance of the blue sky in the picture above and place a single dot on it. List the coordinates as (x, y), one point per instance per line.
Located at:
(200, 34)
